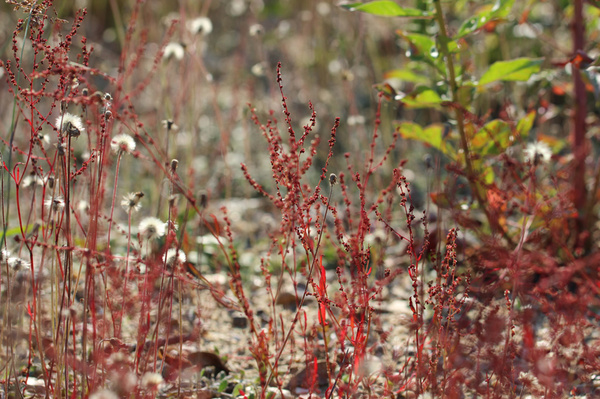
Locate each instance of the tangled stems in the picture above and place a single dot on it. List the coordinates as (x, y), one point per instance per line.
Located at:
(304, 294)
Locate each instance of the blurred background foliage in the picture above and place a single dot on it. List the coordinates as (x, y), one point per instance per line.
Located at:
(334, 58)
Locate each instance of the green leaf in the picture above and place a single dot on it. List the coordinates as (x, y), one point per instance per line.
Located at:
(386, 9)
(433, 135)
(223, 385)
(471, 25)
(236, 390)
(524, 125)
(492, 138)
(420, 45)
(405, 75)
(421, 97)
(499, 11)
(502, 8)
(519, 69)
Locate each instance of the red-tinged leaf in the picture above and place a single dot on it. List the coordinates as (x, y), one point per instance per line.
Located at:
(387, 91)
(214, 227)
(190, 268)
(581, 59)
(559, 90)
(441, 200)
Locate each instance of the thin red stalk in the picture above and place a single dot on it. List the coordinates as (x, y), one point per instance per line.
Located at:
(580, 149)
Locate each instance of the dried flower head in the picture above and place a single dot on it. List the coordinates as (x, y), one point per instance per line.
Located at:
(174, 257)
(169, 124)
(203, 200)
(333, 179)
(173, 50)
(32, 180)
(18, 264)
(55, 204)
(70, 124)
(537, 152)
(174, 165)
(122, 143)
(200, 25)
(152, 228)
(132, 201)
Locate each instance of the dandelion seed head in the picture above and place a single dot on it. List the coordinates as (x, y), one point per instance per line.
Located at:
(256, 30)
(4, 256)
(537, 152)
(169, 124)
(70, 124)
(18, 264)
(200, 26)
(258, 69)
(151, 380)
(173, 50)
(122, 143)
(354, 120)
(174, 257)
(83, 206)
(151, 228)
(131, 202)
(104, 394)
(55, 204)
(32, 180)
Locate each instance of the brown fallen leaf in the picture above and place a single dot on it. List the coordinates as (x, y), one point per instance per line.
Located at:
(306, 379)
(190, 363)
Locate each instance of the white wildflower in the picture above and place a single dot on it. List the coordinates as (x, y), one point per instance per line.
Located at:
(173, 50)
(152, 228)
(132, 201)
(70, 124)
(200, 25)
(122, 143)
(537, 152)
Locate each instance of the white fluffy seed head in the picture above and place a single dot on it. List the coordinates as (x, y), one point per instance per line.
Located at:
(122, 143)
(70, 124)
(151, 228)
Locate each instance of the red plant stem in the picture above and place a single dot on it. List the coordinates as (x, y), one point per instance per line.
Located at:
(579, 126)
(112, 207)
